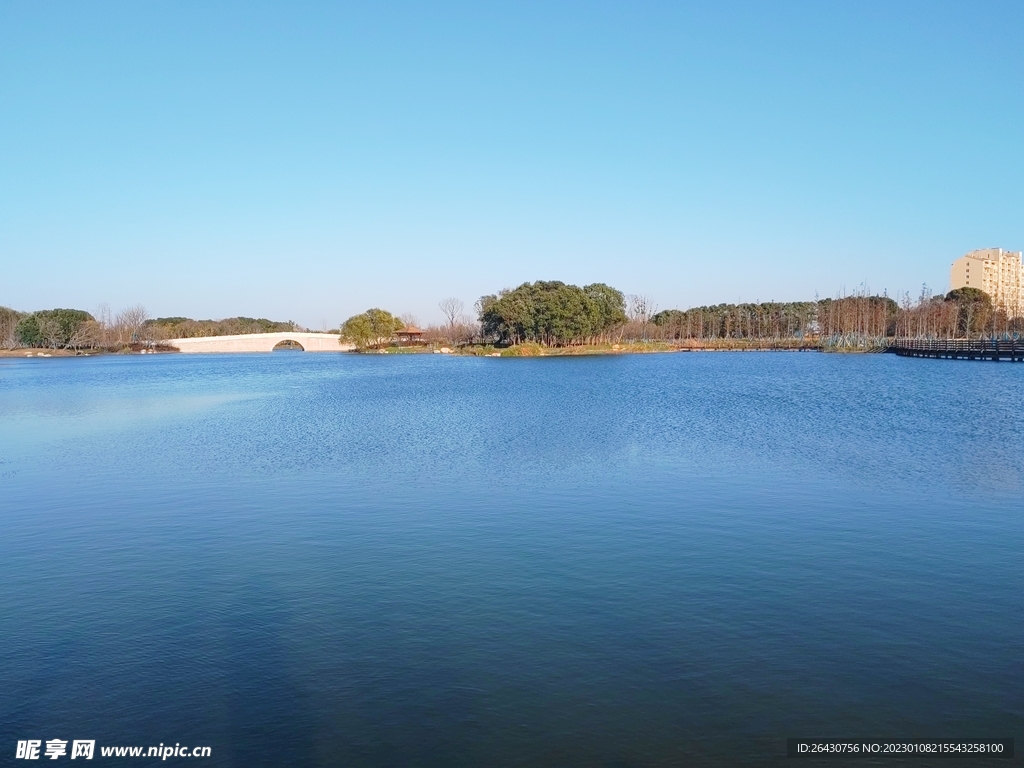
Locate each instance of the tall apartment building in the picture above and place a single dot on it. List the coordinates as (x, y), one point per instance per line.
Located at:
(997, 272)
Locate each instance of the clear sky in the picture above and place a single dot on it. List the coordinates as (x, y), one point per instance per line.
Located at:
(307, 161)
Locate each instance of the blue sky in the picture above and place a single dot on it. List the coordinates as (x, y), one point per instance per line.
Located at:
(306, 161)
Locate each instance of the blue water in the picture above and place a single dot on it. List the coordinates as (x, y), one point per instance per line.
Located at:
(682, 559)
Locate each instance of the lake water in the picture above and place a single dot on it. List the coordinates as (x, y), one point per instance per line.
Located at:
(684, 559)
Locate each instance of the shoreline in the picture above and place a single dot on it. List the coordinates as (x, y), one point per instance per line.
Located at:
(528, 349)
(36, 352)
(583, 350)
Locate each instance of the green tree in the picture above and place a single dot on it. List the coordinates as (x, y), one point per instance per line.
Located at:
(972, 295)
(372, 328)
(974, 307)
(51, 327)
(551, 313)
(767, 320)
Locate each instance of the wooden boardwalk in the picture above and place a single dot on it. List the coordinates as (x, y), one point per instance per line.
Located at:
(960, 349)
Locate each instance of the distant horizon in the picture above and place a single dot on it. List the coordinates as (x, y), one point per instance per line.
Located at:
(310, 162)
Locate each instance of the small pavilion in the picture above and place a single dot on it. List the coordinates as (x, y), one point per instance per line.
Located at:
(409, 335)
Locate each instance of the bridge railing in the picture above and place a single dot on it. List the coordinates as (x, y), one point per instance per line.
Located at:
(1009, 347)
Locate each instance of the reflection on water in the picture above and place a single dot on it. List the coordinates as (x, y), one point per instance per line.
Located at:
(426, 560)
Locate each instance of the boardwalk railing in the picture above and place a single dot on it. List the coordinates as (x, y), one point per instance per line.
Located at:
(854, 342)
(960, 349)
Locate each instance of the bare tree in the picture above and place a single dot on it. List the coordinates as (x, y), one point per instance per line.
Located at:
(129, 323)
(409, 319)
(89, 334)
(640, 310)
(9, 320)
(452, 309)
(51, 333)
(466, 330)
(105, 318)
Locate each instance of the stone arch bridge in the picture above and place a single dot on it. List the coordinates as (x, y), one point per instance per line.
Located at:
(261, 342)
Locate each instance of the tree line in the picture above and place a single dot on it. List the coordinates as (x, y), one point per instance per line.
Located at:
(961, 313)
(552, 313)
(854, 316)
(845, 321)
(77, 329)
(71, 328)
(160, 328)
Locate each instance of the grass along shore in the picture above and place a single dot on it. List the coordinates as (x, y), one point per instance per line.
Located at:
(531, 349)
